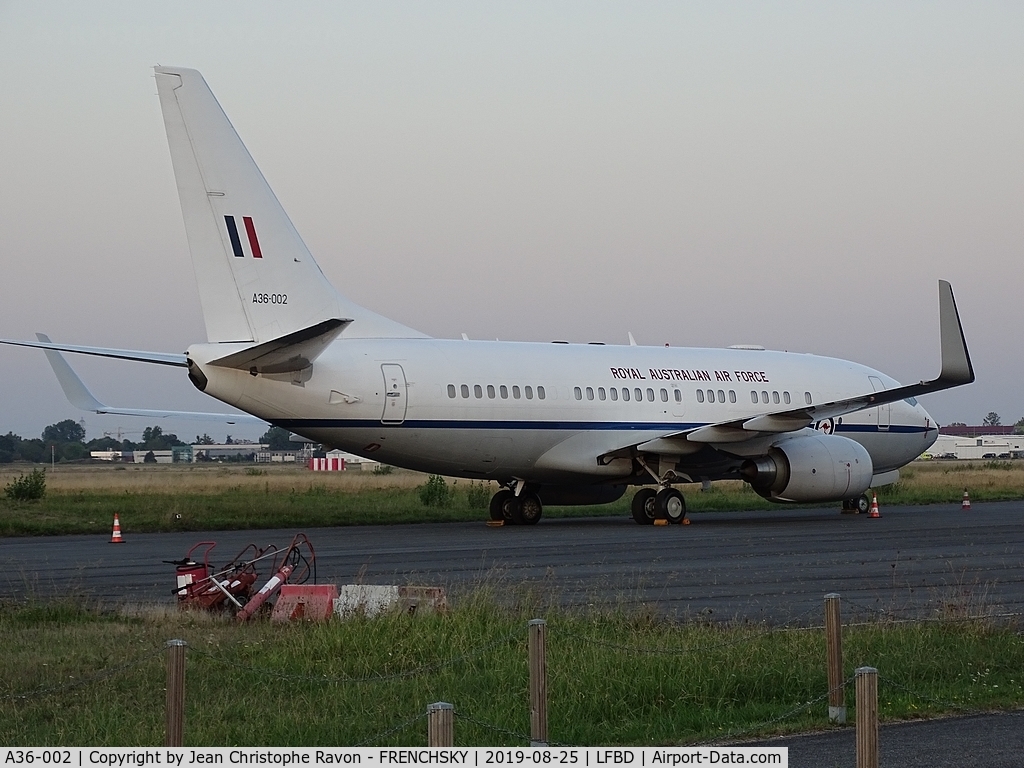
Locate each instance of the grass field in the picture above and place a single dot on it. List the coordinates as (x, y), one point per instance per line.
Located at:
(84, 499)
(72, 676)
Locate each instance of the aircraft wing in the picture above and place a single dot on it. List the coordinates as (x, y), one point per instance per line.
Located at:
(79, 395)
(956, 369)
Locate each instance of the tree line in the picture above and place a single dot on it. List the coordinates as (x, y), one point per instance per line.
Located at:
(65, 441)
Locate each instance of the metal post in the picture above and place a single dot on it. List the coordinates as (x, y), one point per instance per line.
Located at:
(867, 717)
(834, 647)
(440, 725)
(538, 683)
(175, 692)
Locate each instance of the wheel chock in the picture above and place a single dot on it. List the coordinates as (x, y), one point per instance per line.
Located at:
(661, 521)
(495, 523)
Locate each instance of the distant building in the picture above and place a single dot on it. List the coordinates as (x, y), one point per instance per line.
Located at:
(982, 431)
(990, 446)
(110, 455)
(335, 461)
(231, 452)
(278, 457)
(160, 457)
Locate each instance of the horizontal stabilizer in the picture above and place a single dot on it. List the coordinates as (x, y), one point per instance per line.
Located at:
(79, 395)
(288, 353)
(160, 358)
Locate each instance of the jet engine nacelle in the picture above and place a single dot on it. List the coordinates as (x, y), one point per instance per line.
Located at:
(810, 468)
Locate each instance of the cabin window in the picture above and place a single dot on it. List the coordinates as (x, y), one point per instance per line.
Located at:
(775, 397)
(664, 395)
(721, 396)
(638, 393)
(679, 395)
(451, 390)
(540, 393)
(786, 398)
(614, 393)
(577, 393)
(700, 395)
(625, 394)
(590, 393)
(732, 396)
(807, 397)
(764, 396)
(529, 392)
(478, 392)
(515, 392)
(650, 394)
(465, 390)
(711, 395)
(753, 396)
(503, 391)
(490, 391)
(601, 393)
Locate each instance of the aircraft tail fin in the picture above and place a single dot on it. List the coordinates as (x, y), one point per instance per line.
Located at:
(257, 280)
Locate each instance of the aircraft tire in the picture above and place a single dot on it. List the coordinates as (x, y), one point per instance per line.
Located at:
(862, 504)
(529, 509)
(498, 504)
(642, 506)
(670, 505)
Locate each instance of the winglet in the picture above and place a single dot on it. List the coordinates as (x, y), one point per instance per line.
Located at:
(956, 360)
(74, 388)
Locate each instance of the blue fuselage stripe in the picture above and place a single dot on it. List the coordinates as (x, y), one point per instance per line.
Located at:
(574, 426)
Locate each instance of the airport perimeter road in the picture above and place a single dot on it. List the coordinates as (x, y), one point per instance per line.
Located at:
(981, 741)
(772, 566)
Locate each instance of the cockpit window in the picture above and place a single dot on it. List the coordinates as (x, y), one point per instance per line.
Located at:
(910, 400)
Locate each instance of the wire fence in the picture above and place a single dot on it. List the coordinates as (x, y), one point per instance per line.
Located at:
(560, 633)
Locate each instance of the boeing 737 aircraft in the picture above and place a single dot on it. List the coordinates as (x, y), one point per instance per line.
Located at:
(551, 423)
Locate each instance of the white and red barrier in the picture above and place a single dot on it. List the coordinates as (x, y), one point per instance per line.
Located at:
(330, 464)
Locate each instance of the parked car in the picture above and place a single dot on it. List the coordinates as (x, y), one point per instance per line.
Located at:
(989, 456)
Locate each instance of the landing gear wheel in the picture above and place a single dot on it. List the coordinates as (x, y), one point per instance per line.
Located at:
(529, 509)
(862, 504)
(643, 506)
(498, 504)
(670, 505)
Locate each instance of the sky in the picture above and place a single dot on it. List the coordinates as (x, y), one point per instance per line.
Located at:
(796, 175)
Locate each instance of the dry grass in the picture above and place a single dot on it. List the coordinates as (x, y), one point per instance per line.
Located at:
(209, 478)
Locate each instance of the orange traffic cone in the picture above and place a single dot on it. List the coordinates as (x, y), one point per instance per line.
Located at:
(115, 537)
(966, 503)
(874, 506)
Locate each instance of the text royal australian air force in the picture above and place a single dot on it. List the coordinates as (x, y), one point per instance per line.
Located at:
(690, 374)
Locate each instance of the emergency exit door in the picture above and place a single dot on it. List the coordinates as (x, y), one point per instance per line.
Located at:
(394, 394)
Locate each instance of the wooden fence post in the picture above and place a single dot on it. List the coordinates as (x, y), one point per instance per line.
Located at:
(440, 725)
(538, 683)
(834, 648)
(175, 693)
(867, 717)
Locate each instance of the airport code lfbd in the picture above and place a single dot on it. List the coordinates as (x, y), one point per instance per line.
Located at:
(470, 756)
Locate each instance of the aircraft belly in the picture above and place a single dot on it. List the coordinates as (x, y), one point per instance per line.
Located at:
(473, 453)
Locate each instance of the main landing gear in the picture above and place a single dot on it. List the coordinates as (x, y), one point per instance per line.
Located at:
(857, 506)
(650, 505)
(524, 509)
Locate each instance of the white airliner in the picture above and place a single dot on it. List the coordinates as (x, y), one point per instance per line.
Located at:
(551, 423)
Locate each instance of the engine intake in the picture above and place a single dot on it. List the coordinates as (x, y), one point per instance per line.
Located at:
(810, 468)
